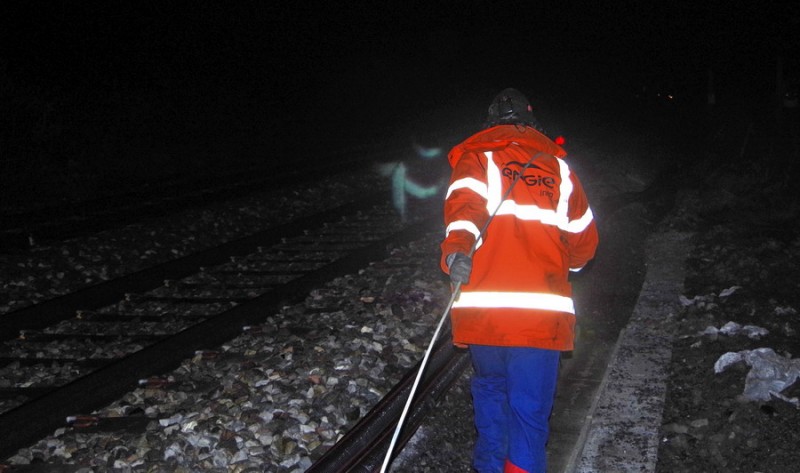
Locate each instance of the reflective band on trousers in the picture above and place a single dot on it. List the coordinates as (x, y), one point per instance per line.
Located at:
(515, 300)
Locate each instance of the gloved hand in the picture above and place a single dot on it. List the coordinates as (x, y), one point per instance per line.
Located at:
(460, 266)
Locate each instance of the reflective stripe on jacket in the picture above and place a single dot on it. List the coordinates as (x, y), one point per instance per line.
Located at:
(518, 294)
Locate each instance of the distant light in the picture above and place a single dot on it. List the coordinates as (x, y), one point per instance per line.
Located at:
(560, 140)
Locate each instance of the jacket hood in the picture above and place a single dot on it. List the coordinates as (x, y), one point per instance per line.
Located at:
(500, 137)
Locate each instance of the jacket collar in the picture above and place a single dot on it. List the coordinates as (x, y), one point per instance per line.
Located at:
(500, 137)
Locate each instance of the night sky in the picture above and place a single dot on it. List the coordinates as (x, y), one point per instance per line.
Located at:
(258, 40)
(277, 65)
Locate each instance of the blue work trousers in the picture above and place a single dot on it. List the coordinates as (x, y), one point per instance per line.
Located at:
(512, 392)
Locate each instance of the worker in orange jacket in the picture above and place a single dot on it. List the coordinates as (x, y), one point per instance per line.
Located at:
(517, 222)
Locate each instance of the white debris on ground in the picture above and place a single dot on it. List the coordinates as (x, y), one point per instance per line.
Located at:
(707, 301)
(769, 374)
(732, 328)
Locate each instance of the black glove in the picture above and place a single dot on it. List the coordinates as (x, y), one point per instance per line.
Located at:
(460, 266)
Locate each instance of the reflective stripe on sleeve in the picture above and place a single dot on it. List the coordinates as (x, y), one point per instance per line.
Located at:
(468, 183)
(580, 224)
(465, 225)
(515, 300)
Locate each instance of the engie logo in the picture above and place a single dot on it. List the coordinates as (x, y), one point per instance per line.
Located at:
(512, 170)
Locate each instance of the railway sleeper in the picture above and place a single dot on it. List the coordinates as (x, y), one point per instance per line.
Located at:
(279, 256)
(223, 285)
(42, 336)
(28, 392)
(311, 245)
(258, 272)
(94, 423)
(188, 299)
(362, 236)
(90, 363)
(353, 234)
(116, 317)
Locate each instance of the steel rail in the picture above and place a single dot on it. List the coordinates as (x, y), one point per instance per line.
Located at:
(363, 447)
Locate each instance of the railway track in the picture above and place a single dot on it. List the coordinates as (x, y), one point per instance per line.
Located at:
(154, 319)
(191, 309)
(237, 355)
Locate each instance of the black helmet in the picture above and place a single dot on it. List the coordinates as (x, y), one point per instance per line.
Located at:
(511, 107)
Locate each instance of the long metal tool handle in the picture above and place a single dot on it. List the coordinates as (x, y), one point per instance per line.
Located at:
(420, 372)
(453, 297)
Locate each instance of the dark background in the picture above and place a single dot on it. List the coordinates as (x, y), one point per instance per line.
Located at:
(96, 95)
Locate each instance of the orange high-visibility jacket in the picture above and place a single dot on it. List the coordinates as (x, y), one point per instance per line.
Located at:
(518, 293)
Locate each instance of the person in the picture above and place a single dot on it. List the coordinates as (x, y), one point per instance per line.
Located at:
(421, 177)
(517, 222)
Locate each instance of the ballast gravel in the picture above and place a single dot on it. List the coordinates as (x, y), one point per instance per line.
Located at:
(279, 395)
(52, 268)
(273, 399)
